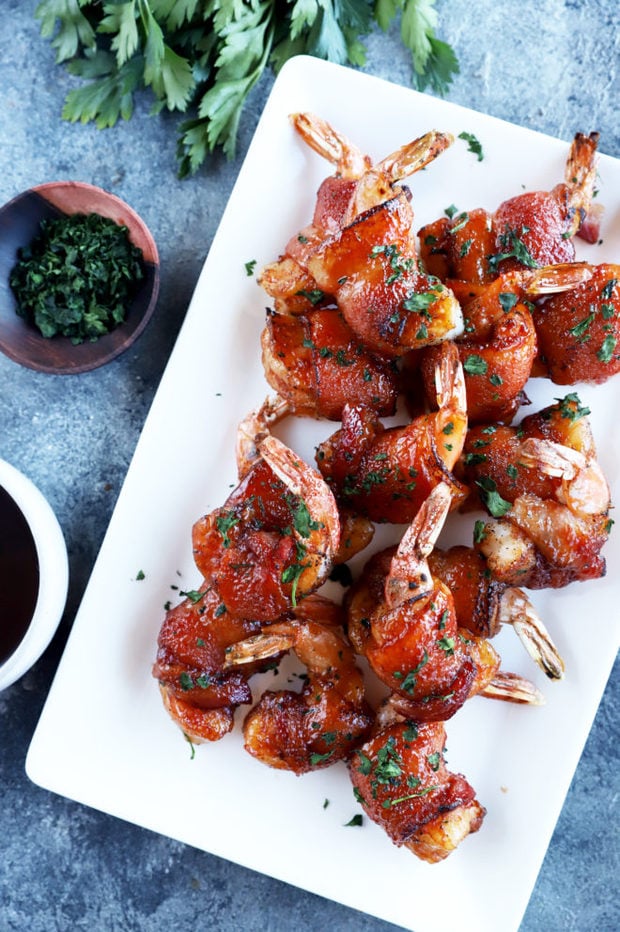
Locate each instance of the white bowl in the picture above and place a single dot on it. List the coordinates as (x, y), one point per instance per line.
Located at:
(53, 573)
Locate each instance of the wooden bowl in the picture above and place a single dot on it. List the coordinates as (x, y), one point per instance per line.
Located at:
(19, 224)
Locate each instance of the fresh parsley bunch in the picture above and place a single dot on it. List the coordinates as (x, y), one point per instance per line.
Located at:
(203, 58)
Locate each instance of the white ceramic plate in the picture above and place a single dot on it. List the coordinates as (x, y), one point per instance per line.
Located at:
(130, 760)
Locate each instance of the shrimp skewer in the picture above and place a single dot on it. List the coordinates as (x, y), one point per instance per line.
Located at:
(405, 624)
(317, 363)
(483, 605)
(199, 694)
(355, 187)
(326, 720)
(273, 540)
(543, 482)
(579, 331)
(400, 779)
(360, 252)
(532, 229)
(499, 346)
(386, 474)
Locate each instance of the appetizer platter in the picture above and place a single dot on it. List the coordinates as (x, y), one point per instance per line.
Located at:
(312, 830)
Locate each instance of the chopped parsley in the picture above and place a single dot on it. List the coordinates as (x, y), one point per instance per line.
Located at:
(571, 408)
(409, 681)
(580, 330)
(508, 300)
(479, 531)
(475, 365)
(77, 277)
(315, 296)
(355, 821)
(473, 144)
(249, 267)
(514, 248)
(496, 505)
(224, 523)
(608, 346)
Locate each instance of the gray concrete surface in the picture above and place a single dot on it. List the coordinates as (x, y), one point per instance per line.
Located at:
(548, 64)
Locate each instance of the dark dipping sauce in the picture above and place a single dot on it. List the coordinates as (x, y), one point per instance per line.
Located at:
(19, 575)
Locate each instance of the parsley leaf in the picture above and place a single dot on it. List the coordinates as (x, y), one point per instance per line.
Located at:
(206, 57)
(473, 144)
(496, 505)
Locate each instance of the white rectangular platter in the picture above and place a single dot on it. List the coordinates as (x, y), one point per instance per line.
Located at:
(106, 741)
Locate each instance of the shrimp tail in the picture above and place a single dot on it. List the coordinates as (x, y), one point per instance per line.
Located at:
(255, 427)
(409, 571)
(331, 145)
(510, 687)
(516, 609)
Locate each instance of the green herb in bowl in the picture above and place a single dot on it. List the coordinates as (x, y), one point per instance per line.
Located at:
(77, 277)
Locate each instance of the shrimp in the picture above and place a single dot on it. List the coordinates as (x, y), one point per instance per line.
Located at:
(355, 187)
(386, 474)
(483, 605)
(327, 719)
(499, 346)
(400, 779)
(405, 624)
(371, 269)
(273, 540)
(317, 364)
(579, 331)
(356, 531)
(532, 229)
(359, 250)
(199, 694)
(543, 481)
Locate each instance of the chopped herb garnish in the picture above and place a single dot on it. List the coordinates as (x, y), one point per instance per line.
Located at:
(315, 296)
(408, 683)
(140, 575)
(77, 278)
(496, 505)
(496, 379)
(249, 267)
(475, 365)
(355, 821)
(459, 222)
(450, 211)
(473, 144)
(580, 330)
(419, 302)
(568, 411)
(606, 352)
(508, 300)
(447, 645)
(479, 531)
(514, 248)
(320, 758)
(434, 760)
(388, 803)
(608, 289)
(224, 523)
(474, 459)
(186, 681)
(193, 595)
